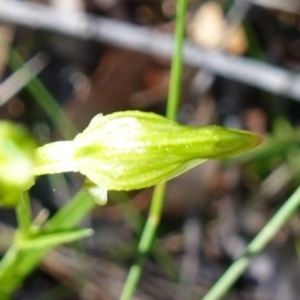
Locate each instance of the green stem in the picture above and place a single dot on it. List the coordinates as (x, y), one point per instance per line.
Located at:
(136, 220)
(23, 212)
(18, 263)
(145, 242)
(176, 68)
(159, 191)
(9, 282)
(222, 286)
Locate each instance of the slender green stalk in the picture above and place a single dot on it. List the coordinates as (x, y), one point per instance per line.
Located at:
(159, 191)
(259, 242)
(136, 221)
(153, 220)
(23, 212)
(145, 242)
(176, 68)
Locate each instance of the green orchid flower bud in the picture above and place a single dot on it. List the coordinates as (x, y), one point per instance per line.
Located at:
(132, 150)
(16, 162)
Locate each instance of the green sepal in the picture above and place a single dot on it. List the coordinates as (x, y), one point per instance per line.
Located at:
(133, 149)
(51, 240)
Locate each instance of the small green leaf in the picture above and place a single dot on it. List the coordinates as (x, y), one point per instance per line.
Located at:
(51, 240)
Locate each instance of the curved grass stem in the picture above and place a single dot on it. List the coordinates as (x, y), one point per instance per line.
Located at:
(145, 243)
(222, 286)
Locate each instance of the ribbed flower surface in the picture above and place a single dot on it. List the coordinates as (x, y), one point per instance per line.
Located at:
(133, 149)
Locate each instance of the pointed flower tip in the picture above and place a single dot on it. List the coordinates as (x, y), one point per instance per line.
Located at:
(256, 138)
(246, 141)
(260, 139)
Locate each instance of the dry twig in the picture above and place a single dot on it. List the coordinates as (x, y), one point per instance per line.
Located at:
(149, 41)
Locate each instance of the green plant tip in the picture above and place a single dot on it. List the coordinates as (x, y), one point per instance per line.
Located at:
(17, 162)
(132, 149)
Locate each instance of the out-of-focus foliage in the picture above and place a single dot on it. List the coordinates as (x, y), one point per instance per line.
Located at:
(16, 162)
